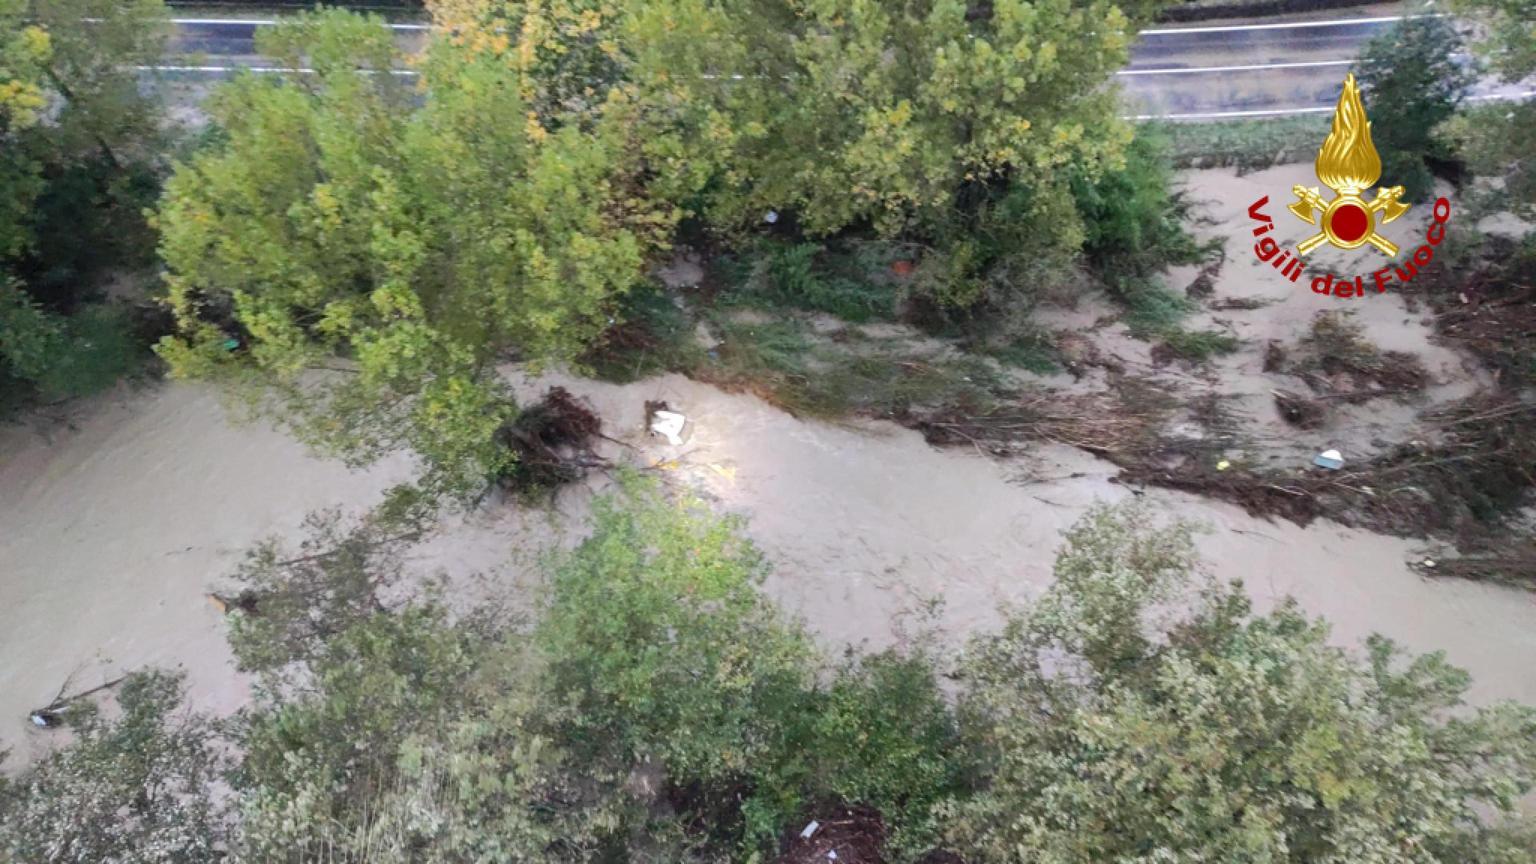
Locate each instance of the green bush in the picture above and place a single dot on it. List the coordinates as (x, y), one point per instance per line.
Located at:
(815, 277)
(1139, 712)
(53, 357)
(134, 787)
(651, 334)
(1133, 220)
(81, 146)
(885, 737)
(1413, 81)
(662, 709)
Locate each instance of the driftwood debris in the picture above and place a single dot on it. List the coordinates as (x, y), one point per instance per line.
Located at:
(51, 716)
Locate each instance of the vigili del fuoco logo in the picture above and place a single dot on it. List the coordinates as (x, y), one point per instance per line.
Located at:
(1348, 164)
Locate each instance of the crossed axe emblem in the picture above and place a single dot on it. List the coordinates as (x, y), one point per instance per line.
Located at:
(1347, 221)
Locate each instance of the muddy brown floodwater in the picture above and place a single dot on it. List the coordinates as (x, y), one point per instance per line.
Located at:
(112, 532)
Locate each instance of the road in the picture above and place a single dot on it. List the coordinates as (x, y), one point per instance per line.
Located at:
(1185, 73)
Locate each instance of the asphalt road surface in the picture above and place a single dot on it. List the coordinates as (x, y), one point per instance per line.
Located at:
(1188, 73)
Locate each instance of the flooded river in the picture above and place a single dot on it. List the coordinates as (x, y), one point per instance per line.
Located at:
(112, 532)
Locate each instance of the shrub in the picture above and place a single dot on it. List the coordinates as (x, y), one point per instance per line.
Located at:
(403, 246)
(56, 356)
(1141, 713)
(1133, 219)
(1414, 81)
(138, 788)
(846, 282)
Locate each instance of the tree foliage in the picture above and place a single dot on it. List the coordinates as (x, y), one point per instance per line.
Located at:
(946, 96)
(405, 249)
(661, 709)
(1415, 79)
(412, 240)
(80, 145)
(1508, 43)
(1495, 139)
(1135, 715)
(134, 788)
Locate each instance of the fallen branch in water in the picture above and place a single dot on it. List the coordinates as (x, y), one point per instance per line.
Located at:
(51, 715)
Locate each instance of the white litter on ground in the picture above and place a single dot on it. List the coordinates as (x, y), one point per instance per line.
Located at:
(669, 425)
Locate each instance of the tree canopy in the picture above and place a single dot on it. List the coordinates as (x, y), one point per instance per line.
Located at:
(660, 708)
(80, 147)
(405, 240)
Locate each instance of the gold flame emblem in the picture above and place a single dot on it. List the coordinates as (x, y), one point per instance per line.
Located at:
(1348, 164)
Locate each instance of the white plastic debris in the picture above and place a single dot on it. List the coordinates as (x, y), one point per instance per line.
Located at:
(669, 425)
(771, 217)
(831, 854)
(810, 828)
(1223, 465)
(1333, 460)
(1428, 563)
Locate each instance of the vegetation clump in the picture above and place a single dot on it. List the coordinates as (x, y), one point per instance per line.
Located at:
(660, 707)
(1415, 77)
(1336, 359)
(82, 149)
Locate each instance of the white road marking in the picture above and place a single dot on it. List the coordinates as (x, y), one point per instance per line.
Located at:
(1166, 31)
(1189, 70)
(1285, 112)
(1252, 67)
(1281, 25)
(259, 22)
(263, 70)
(1223, 115)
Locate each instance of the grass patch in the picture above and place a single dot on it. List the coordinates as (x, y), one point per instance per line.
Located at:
(1194, 345)
(1247, 145)
(1152, 309)
(847, 281)
(653, 335)
(845, 373)
(1156, 314)
(1033, 351)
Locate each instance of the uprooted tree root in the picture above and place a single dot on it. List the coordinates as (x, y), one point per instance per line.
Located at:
(1300, 411)
(553, 441)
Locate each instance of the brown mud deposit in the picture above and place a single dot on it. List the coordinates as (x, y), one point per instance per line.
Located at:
(112, 533)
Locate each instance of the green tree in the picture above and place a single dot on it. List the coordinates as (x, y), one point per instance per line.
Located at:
(80, 151)
(1495, 139)
(137, 788)
(1135, 715)
(24, 48)
(1414, 78)
(367, 262)
(885, 113)
(662, 709)
(661, 647)
(659, 689)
